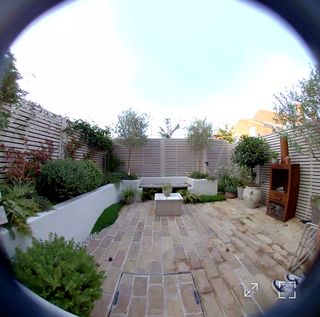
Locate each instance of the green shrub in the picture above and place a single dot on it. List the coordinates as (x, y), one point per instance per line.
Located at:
(211, 198)
(148, 193)
(21, 201)
(107, 218)
(230, 189)
(61, 272)
(188, 197)
(63, 179)
(226, 180)
(201, 175)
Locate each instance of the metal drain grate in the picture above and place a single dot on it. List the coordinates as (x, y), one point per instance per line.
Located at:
(168, 294)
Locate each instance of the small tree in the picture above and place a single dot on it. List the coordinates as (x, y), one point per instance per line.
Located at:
(199, 137)
(299, 109)
(225, 134)
(250, 152)
(131, 131)
(168, 131)
(10, 91)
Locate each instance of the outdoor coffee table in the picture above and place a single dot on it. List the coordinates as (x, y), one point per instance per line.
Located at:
(168, 205)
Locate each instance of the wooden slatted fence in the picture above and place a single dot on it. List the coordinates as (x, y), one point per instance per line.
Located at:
(309, 174)
(30, 126)
(172, 157)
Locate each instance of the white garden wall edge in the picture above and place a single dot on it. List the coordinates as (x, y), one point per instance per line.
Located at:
(72, 219)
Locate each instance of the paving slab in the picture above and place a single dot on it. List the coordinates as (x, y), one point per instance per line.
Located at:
(197, 264)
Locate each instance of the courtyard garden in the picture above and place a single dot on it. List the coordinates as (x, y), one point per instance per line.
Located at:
(88, 218)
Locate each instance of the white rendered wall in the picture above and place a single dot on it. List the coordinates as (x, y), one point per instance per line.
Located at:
(72, 219)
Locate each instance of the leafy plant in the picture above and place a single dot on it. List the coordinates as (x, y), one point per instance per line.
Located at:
(225, 180)
(131, 132)
(230, 189)
(24, 167)
(61, 272)
(4, 118)
(130, 177)
(168, 131)
(21, 201)
(166, 186)
(274, 155)
(225, 134)
(71, 148)
(299, 109)
(129, 195)
(251, 151)
(10, 91)
(91, 134)
(199, 137)
(107, 218)
(243, 176)
(148, 193)
(63, 179)
(114, 178)
(188, 197)
(201, 175)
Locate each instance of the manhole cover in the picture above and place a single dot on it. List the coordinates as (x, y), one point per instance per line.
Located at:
(165, 295)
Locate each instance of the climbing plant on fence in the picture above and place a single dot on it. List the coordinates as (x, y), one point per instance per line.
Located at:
(96, 138)
(24, 166)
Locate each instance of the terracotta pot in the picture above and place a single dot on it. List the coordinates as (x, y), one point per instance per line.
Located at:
(287, 160)
(252, 197)
(230, 195)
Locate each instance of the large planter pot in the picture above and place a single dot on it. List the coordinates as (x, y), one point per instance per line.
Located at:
(230, 195)
(252, 197)
(315, 214)
(240, 192)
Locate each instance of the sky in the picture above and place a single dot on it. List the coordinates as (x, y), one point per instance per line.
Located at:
(213, 59)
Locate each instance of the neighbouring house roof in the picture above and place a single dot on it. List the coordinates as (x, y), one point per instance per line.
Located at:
(263, 123)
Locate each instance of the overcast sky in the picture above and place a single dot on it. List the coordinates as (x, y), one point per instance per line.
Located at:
(221, 60)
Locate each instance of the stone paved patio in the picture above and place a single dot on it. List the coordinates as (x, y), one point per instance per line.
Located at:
(223, 247)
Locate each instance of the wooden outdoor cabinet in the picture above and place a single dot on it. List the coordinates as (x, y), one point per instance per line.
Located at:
(283, 191)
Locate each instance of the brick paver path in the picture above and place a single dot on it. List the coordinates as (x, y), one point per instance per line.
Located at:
(223, 247)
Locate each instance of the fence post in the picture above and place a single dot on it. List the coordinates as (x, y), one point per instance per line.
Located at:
(162, 157)
(63, 138)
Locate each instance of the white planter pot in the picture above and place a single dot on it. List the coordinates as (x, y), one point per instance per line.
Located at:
(240, 192)
(252, 197)
(203, 186)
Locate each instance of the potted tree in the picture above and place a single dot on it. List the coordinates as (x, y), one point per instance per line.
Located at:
(131, 131)
(199, 137)
(250, 152)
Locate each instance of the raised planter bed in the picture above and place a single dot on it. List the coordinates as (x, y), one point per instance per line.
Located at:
(197, 186)
(73, 218)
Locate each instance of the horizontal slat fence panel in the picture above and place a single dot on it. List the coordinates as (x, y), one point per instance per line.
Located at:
(174, 156)
(30, 126)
